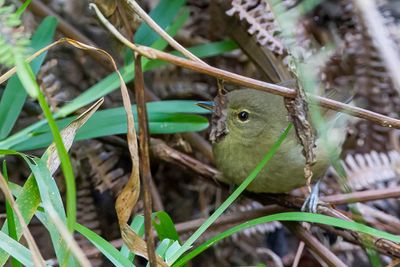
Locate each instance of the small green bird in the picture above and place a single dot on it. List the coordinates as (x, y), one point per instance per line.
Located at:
(245, 128)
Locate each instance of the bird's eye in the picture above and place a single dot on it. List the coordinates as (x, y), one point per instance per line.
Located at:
(243, 116)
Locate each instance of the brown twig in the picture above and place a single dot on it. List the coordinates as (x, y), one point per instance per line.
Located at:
(143, 15)
(144, 166)
(362, 196)
(298, 255)
(249, 82)
(314, 244)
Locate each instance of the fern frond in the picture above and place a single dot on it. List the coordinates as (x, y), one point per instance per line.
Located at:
(13, 39)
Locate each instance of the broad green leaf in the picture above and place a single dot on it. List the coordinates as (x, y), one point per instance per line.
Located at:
(51, 199)
(113, 121)
(164, 226)
(14, 94)
(104, 246)
(109, 122)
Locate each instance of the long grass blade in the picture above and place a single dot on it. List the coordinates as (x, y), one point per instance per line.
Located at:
(290, 216)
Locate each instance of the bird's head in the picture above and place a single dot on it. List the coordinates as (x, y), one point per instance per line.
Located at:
(244, 114)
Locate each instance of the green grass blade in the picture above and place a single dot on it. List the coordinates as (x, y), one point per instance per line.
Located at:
(28, 202)
(51, 199)
(12, 230)
(14, 94)
(172, 30)
(104, 246)
(15, 249)
(97, 126)
(163, 14)
(186, 246)
(27, 78)
(22, 8)
(290, 216)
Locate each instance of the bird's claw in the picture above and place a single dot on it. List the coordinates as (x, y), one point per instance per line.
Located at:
(311, 202)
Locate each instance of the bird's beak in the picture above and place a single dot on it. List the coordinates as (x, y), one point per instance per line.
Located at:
(209, 105)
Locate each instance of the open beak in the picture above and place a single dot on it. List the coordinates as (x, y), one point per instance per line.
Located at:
(209, 105)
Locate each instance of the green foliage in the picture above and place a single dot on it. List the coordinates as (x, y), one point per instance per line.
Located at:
(13, 39)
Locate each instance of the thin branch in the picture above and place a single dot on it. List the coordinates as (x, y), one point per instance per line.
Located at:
(143, 15)
(362, 196)
(144, 166)
(313, 243)
(249, 82)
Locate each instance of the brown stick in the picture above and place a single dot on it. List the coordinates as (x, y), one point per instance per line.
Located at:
(144, 166)
(248, 82)
(314, 244)
(363, 196)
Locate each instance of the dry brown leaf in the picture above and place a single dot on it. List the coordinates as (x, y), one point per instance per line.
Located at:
(137, 244)
(126, 201)
(68, 135)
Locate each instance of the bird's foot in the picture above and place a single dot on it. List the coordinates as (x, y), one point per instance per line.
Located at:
(311, 202)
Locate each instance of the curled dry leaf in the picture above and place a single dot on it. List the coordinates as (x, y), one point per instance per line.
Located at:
(68, 135)
(298, 112)
(126, 201)
(137, 244)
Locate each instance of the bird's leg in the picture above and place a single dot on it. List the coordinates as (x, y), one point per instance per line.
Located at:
(311, 202)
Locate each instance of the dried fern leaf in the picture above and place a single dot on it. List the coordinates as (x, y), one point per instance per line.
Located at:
(366, 171)
(261, 22)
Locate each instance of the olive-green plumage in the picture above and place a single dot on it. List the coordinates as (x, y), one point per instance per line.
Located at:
(247, 138)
